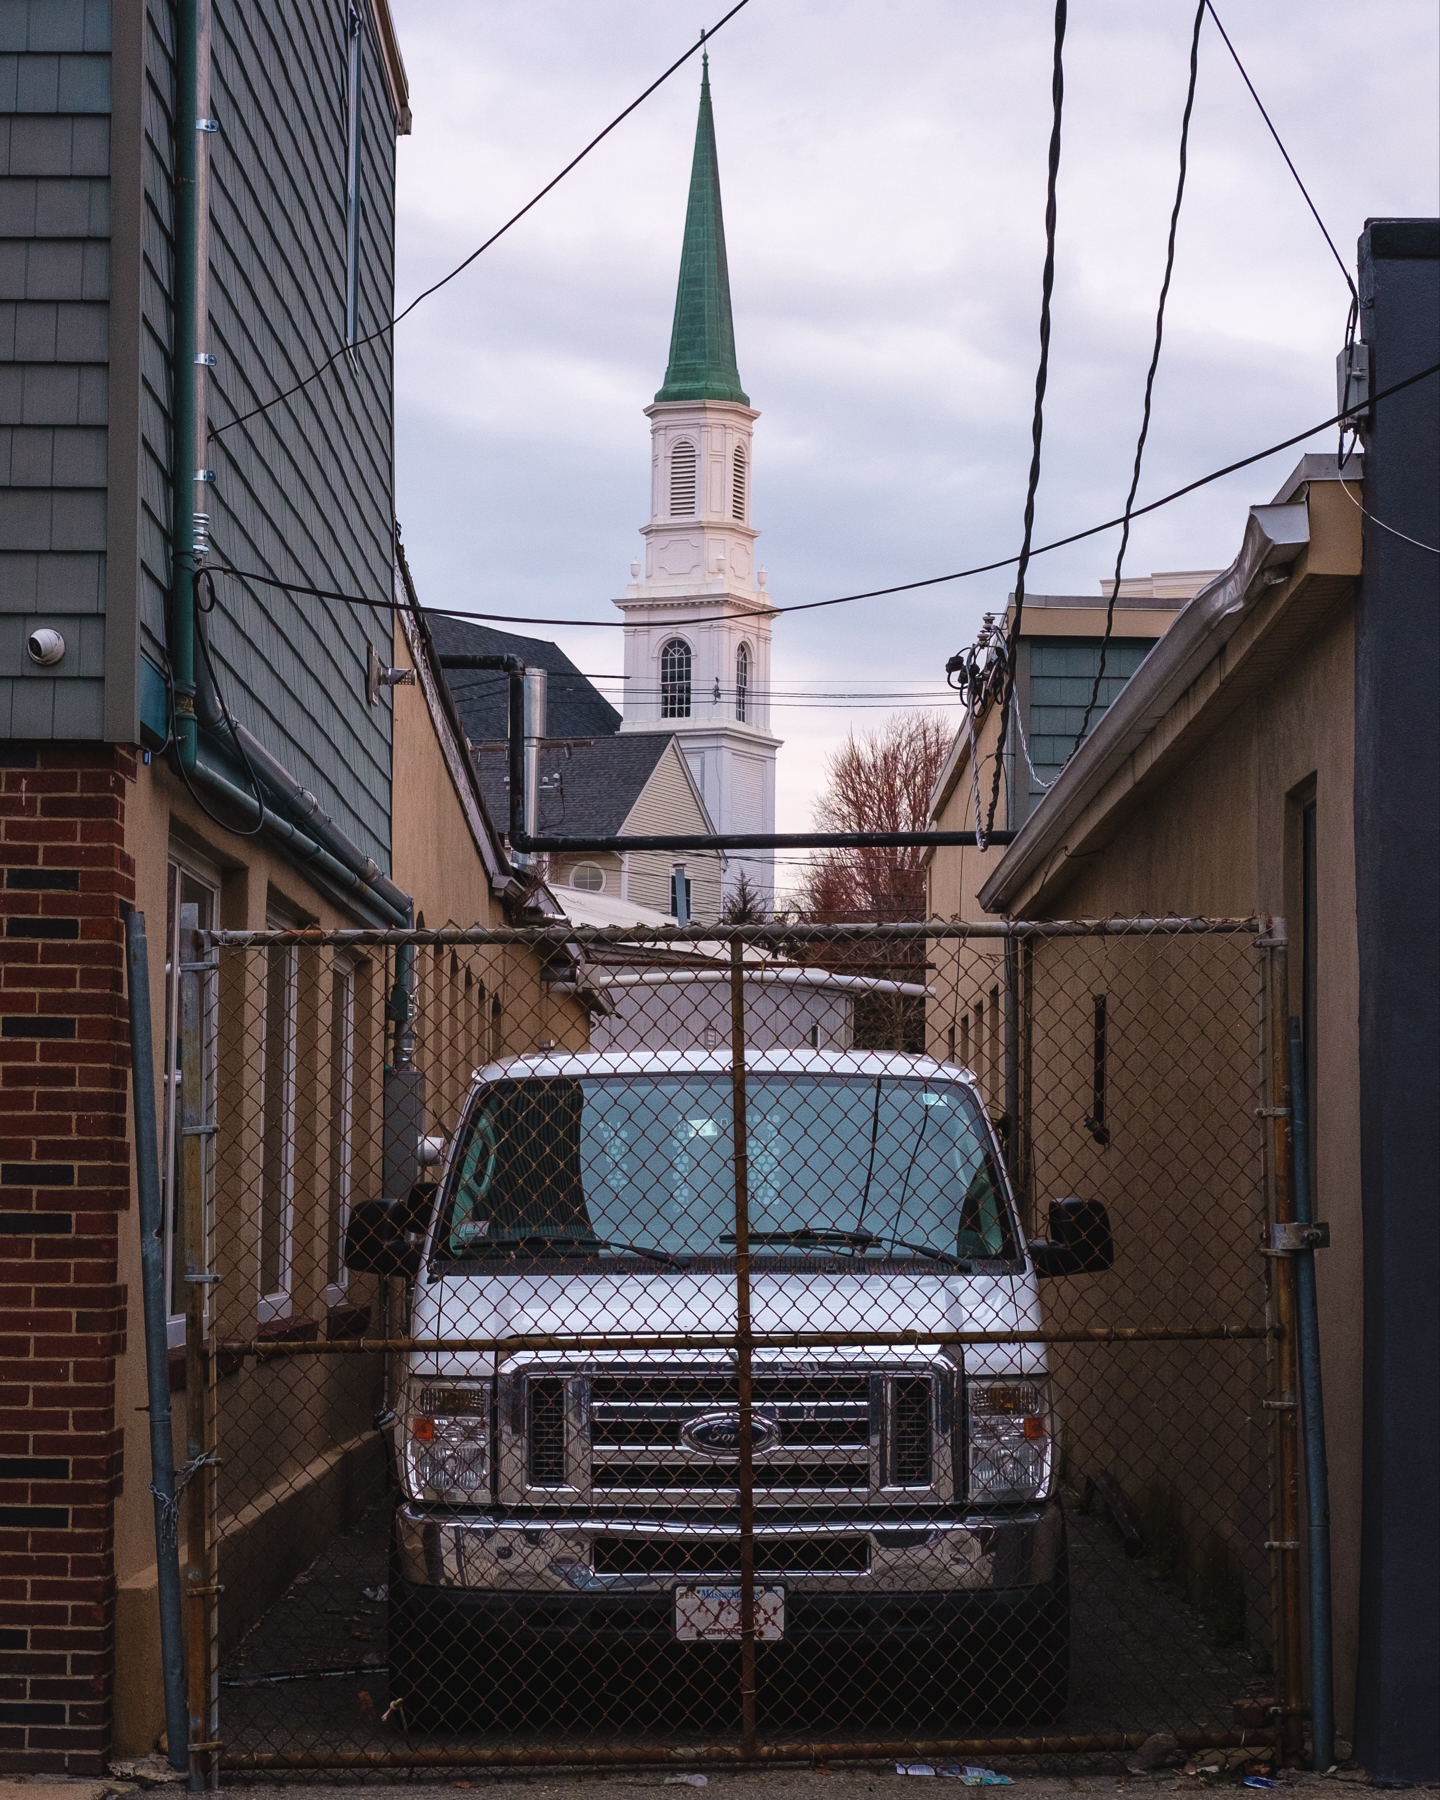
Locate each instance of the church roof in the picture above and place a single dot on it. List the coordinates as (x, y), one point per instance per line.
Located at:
(574, 708)
(702, 338)
(598, 783)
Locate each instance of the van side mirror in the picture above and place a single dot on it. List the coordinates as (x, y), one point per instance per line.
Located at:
(374, 1240)
(413, 1213)
(1079, 1242)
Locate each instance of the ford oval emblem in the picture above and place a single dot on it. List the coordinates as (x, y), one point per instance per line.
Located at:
(717, 1435)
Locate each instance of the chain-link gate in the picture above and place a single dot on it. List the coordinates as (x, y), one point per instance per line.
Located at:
(791, 1343)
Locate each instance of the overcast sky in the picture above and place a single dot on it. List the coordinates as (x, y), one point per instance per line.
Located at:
(883, 168)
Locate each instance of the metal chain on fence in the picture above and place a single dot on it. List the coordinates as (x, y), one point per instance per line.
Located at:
(735, 1345)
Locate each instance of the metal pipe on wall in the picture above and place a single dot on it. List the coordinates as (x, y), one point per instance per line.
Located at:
(1284, 1545)
(1312, 1425)
(525, 843)
(157, 1348)
(184, 446)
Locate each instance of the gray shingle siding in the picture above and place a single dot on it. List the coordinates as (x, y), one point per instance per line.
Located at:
(54, 333)
(302, 492)
(60, 84)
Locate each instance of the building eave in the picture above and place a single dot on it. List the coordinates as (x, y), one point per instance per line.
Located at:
(1190, 682)
(393, 64)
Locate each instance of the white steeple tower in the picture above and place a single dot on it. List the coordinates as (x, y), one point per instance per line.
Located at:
(697, 624)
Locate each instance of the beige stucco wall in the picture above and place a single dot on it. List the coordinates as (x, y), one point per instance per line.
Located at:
(1221, 838)
(324, 1465)
(1205, 820)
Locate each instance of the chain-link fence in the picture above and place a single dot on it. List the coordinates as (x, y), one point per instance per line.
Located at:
(733, 1344)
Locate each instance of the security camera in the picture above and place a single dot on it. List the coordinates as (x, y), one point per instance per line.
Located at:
(46, 647)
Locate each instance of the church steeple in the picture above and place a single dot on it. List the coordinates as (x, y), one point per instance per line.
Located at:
(702, 338)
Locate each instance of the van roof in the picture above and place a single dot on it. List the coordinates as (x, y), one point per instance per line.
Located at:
(894, 1063)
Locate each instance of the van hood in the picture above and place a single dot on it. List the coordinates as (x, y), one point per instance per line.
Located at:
(643, 1304)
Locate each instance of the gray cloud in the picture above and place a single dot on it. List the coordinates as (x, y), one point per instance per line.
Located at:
(883, 172)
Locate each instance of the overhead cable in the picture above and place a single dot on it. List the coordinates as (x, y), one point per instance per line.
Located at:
(1354, 297)
(390, 324)
(1149, 377)
(1037, 423)
(902, 587)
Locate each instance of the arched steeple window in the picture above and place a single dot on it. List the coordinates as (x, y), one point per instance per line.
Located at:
(742, 679)
(737, 489)
(675, 680)
(682, 480)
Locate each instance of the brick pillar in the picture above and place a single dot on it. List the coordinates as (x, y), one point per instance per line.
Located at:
(64, 1176)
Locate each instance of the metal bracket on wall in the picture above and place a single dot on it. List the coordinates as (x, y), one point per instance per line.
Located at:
(1289, 1237)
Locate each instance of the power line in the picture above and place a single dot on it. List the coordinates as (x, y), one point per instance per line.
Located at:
(1150, 375)
(1037, 425)
(902, 587)
(390, 324)
(1354, 297)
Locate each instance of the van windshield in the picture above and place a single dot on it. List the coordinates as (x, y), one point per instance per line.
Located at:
(845, 1165)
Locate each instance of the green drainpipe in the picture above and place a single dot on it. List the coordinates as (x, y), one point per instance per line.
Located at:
(184, 449)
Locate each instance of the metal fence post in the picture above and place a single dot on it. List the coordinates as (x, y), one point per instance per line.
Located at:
(200, 1570)
(1284, 1544)
(157, 1354)
(1011, 1052)
(743, 1351)
(1312, 1425)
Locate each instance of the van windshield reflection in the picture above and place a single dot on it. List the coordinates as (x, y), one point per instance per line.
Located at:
(839, 1165)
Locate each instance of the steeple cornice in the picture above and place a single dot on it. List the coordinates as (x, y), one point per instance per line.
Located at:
(702, 339)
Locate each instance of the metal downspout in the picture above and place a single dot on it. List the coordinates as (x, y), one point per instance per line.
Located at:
(185, 326)
(334, 871)
(1312, 1425)
(157, 1348)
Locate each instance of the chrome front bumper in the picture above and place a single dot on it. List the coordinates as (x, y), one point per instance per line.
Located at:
(477, 1551)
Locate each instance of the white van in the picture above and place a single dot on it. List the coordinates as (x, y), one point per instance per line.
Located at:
(578, 1507)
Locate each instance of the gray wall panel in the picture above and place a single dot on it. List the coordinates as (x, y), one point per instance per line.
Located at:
(51, 269)
(68, 84)
(55, 26)
(47, 456)
(36, 580)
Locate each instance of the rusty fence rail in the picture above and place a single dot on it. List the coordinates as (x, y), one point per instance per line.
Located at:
(709, 1345)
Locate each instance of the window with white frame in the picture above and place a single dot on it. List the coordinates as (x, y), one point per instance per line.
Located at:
(277, 1128)
(683, 472)
(675, 669)
(341, 1128)
(588, 877)
(737, 486)
(742, 680)
(192, 905)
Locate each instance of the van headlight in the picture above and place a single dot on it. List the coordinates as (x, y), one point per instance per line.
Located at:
(444, 1430)
(1012, 1438)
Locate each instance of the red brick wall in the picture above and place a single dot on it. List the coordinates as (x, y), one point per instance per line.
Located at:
(64, 1176)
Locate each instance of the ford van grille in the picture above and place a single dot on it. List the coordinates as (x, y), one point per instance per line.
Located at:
(673, 1434)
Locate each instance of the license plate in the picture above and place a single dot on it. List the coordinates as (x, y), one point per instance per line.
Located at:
(712, 1614)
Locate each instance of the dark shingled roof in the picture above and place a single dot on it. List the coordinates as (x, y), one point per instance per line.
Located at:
(598, 785)
(573, 707)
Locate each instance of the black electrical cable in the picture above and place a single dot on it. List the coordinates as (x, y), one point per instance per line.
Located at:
(1354, 297)
(204, 575)
(390, 324)
(1150, 374)
(1037, 424)
(901, 587)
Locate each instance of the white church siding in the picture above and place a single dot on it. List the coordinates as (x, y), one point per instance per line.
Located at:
(668, 803)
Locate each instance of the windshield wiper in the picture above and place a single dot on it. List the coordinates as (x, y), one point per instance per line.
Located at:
(855, 1240)
(527, 1240)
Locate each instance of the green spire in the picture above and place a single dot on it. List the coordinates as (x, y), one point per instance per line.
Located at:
(702, 339)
